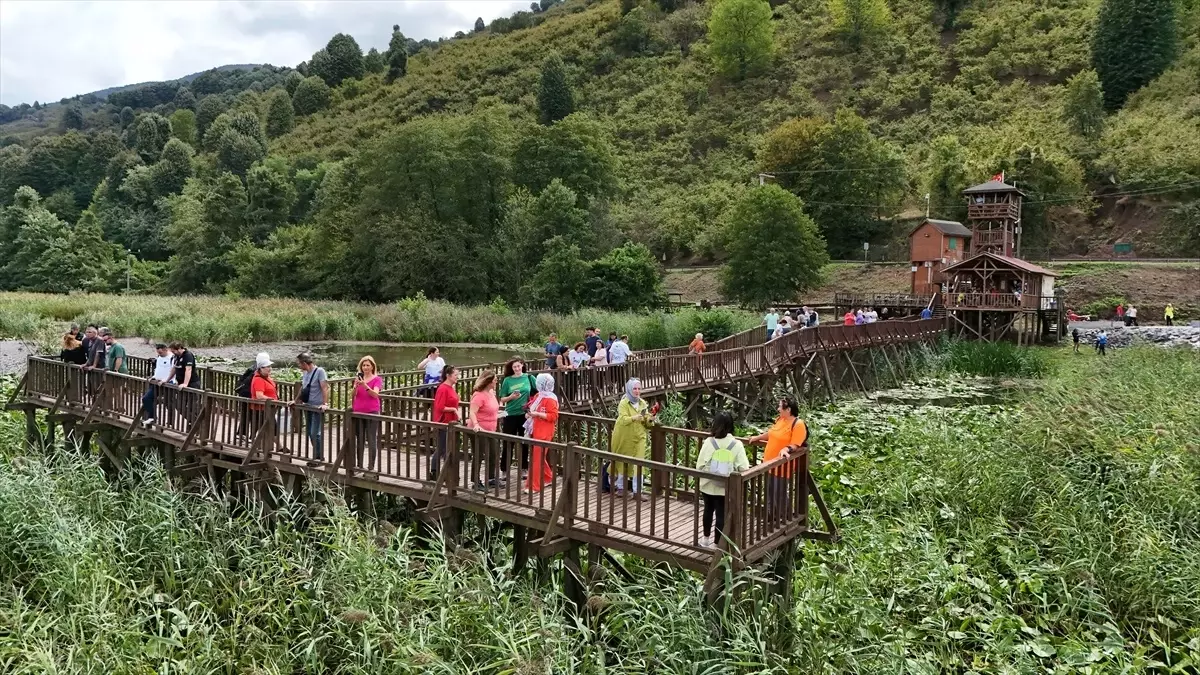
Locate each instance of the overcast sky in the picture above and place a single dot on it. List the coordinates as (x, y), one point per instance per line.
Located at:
(51, 49)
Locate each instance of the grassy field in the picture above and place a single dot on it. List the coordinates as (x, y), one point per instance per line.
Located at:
(1058, 533)
(206, 321)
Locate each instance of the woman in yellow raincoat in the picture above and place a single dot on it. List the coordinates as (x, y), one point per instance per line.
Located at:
(634, 417)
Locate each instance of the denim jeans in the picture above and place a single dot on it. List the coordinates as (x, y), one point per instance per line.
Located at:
(315, 423)
(148, 403)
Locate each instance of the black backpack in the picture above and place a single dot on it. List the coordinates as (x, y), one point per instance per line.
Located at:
(243, 385)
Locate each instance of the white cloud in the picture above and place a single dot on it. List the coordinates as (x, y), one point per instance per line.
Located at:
(51, 49)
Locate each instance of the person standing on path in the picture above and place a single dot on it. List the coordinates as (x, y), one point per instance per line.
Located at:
(262, 388)
(721, 454)
(600, 358)
(697, 345)
(114, 353)
(164, 372)
(553, 349)
(619, 351)
(1169, 314)
(788, 434)
(1101, 342)
(1131, 316)
(433, 365)
(445, 411)
(367, 386)
(313, 392)
(592, 341)
(1075, 338)
(73, 350)
(188, 377)
(772, 320)
(515, 389)
(484, 416)
(1120, 312)
(634, 417)
(542, 417)
(848, 319)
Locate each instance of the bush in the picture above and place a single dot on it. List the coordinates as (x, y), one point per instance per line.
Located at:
(994, 359)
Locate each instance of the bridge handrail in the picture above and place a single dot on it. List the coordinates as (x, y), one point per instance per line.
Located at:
(403, 444)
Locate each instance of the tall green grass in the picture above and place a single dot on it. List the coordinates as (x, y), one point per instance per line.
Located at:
(1060, 534)
(992, 359)
(211, 321)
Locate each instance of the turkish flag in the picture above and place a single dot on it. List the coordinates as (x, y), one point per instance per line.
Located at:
(999, 177)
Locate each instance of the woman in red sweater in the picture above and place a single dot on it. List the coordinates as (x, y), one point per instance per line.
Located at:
(445, 411)
(542, 416)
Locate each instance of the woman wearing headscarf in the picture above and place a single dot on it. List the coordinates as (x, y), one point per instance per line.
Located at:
(634, 416)
(541, 416)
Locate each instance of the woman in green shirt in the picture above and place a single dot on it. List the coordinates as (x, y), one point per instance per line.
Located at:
(634, 418)
(514, 396)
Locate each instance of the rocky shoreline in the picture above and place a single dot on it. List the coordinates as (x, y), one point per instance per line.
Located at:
(1165, 336)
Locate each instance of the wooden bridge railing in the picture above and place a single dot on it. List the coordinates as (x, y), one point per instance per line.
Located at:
(401, 451)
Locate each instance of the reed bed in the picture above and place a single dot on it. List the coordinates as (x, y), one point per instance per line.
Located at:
(206, 321)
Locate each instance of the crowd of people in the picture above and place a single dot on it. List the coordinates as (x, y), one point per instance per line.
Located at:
(514, 402)
(779, 325)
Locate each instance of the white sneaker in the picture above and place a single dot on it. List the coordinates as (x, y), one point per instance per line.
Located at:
(706, 542)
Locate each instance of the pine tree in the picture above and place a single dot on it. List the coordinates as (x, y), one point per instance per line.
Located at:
(555, 98)
(311, 95)
(341, 59)
(479, 25)
(373, 62)
(1135, 41)
(72, 117)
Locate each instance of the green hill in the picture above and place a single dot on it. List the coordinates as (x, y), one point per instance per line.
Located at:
(428, 171)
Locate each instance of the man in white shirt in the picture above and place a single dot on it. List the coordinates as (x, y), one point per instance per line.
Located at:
(619, 351)
(772, 321)
(164, 372)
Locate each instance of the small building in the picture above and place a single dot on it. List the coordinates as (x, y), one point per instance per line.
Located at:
(932, 246)
(992, 297)
(994, 213)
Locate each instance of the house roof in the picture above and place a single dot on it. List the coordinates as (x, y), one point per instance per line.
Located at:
(950, 227)
(992, 186)
(1016, 263)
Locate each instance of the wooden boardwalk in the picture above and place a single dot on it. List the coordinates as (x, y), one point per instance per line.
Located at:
(213, 434)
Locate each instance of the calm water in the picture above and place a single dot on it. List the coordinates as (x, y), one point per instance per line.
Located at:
(394, 358)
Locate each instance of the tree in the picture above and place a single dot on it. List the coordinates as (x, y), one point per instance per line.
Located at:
(207, 111)
(775, 250)
(560, 280)
(860, 20)
(741, 35)
(627, 278)
(685, 26)
(152, 132)
(292, 81)
(1135, 41)
(207, 221)
(556, 100)
(633, 32)
(950, 10)
(397, 56)
(183, 126)
(341, 59)
(479, 25)
(45, 254)
(172, 170)
(849, 180)
(575, 150)
(184, 98)
(127, 117)
(237, 152)
(554, 213)
(72, 118)
(270, 196)
(627, 6)
(311, 96)
(373, 62)
(280, 114)
(1084, 104)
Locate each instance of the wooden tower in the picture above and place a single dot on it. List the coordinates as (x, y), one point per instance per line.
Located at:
(994, 216)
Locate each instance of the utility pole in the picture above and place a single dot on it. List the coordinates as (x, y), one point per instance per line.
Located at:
(128, 268)
(926, 205)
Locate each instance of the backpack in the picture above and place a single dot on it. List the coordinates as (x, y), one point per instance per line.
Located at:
(243, 384)
(722, 458)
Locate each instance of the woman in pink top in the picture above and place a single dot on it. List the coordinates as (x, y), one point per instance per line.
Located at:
(367, 385)
(484, 416)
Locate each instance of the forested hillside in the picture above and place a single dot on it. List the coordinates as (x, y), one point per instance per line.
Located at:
(555, 157)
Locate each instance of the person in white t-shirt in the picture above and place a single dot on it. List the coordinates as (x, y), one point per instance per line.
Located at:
(433, 364)
(164, 373)
(619, 351)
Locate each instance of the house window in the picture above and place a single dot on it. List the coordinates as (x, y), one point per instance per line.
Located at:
(953, 244)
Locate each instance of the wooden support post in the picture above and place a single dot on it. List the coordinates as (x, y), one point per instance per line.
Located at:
(520, 549)
(594, 553)
(32, 437)
(573, 581)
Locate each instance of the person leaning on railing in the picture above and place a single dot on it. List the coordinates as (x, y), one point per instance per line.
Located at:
(788, 434)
